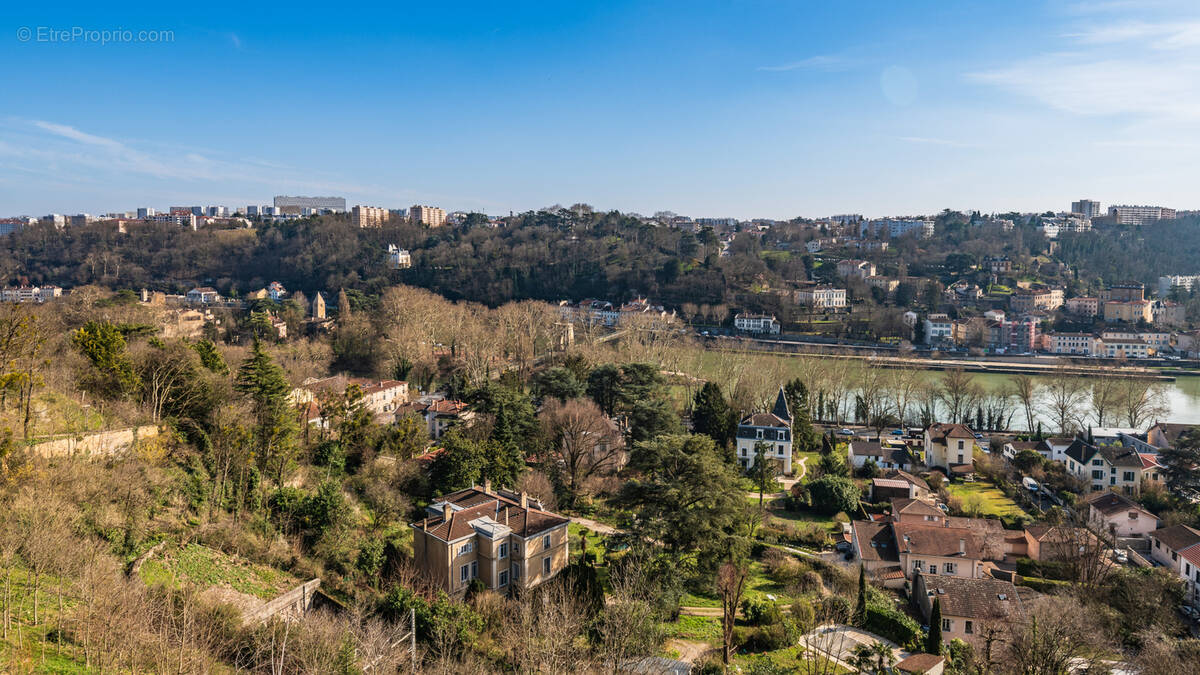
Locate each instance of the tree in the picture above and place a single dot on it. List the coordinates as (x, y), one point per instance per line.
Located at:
(683, 494)
(112, 370)
(731, 582)
(712, 415)
(860, 607)
(210, 358)
(261, 381)
(604, 386)
(559, 383)
(1059, 634)
(804, 436)
(1181, 461)
(764, 469)
(834, 494)
(460, 465)
(958, 394)
(1064, 394)
(933, 641)
(514, 423)
(583, 440)
(832, 464)
(650, 418)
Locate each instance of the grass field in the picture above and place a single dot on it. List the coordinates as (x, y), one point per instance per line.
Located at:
(985, 498)
(207, 567)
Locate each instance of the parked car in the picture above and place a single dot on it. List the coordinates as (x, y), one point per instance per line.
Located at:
(897, 432)
(845, 432)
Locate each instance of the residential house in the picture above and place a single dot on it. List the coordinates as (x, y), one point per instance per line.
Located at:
(1119, 516)
(1167, 313)
(506, 540)
(884, 456)
(774, 429)
(205, 295)
(1081, 344)
(886, 284)
(970, 608)
(1157, 339)
(948, 445)
(921, 664)
(1165, 434)
(998, 265)
(1127, 349)
(1113, 467)
(942, 549)
(856, 269)
(381, 397)
(1131, 311)
(756, 323)
(874, 546)
(1178, 549)
(938, 328)
(439, 414)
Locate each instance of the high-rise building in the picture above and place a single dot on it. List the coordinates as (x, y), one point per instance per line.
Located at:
(1140, 215)
(144, 212)
(286, 204)
(1087, 208)
(427, 215)
(368, 216)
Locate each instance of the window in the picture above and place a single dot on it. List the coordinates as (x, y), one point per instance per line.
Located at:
(503, 580)
(946, 625)
(781, 449)
(474, 569)
(969, 628)
(463, 572)
(948, 568)
(466, 548)
(516, 571)
(933, 568)
(1128, 477)
(917, 564)
(1097, 462)
(546, 543)
(1097, 475)
(546, 565)
(516, 548)
(503, 551)
(759, 434)
(960, 445)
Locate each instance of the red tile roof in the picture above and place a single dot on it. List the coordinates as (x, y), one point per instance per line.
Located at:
(476, 503)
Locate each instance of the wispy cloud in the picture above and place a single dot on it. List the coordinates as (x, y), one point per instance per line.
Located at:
(819, 62)
(944, 142)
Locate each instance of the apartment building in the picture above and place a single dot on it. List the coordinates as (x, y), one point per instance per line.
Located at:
(1079, 344)
(1156, 339)
(368, 216)
(1131, 311)
(1185, 282)
(37, 294)
(821, 297)
(505, 539)
(1087, 208)
(774, 429)
(430, 216)
(1045, 299)
(756, 323)
(938, 328)
(948, 445)
(1114, 467)
(298, 205)
(1139, 215)
(1083, 306)
(1127, 349)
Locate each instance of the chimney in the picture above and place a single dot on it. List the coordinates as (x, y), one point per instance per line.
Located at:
(962, 546)
(487, 485)
(447, 512)
(506, 516)
(524, 500)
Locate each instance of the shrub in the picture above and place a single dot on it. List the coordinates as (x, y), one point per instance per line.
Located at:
(761, 612)
(765, 638)
(834, 494)
(1047, 569)
(1050, 586)
(891, 623)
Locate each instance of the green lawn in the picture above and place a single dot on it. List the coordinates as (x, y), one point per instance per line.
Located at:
(987, 497)
(699, 628)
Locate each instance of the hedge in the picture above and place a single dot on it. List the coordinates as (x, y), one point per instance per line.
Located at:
(1043, 585)
(892, 624)
(1046, 569)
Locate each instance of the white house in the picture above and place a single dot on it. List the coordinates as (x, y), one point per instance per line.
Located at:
(1178, 549)
(772, 429)
(756, 323)
(938, 328)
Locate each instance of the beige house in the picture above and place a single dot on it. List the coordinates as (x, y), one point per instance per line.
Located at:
(1119, 516)
(505, 539)
(970, 608)
(1178, 549)
(949, 445)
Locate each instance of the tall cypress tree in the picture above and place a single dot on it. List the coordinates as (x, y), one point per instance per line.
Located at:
(933, 644)
(860, 609)
(804, 436)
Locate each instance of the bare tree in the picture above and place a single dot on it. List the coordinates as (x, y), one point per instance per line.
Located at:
(546, 624)
(731, 583)
(1026, 391)
(959, 393)
(1064, 396)
(1141, 400)
(1059, 634)
(585, 442)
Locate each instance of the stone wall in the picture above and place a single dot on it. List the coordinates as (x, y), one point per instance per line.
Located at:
(98, 443)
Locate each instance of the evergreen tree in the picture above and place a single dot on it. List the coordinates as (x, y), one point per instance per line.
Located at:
(604, 386)
(262, 382)
(764, 469)
(933, 643)
(860, 608)
(712, 415)
(804, 436)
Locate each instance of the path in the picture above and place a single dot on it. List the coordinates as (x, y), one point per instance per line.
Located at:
(838, 642)
(595, 526)
(690, 651)
(786, 481)
(701, 611)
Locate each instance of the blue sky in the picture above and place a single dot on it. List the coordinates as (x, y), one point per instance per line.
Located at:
(768, 109)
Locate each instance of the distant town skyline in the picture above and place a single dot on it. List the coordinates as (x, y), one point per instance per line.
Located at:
(705, 109)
